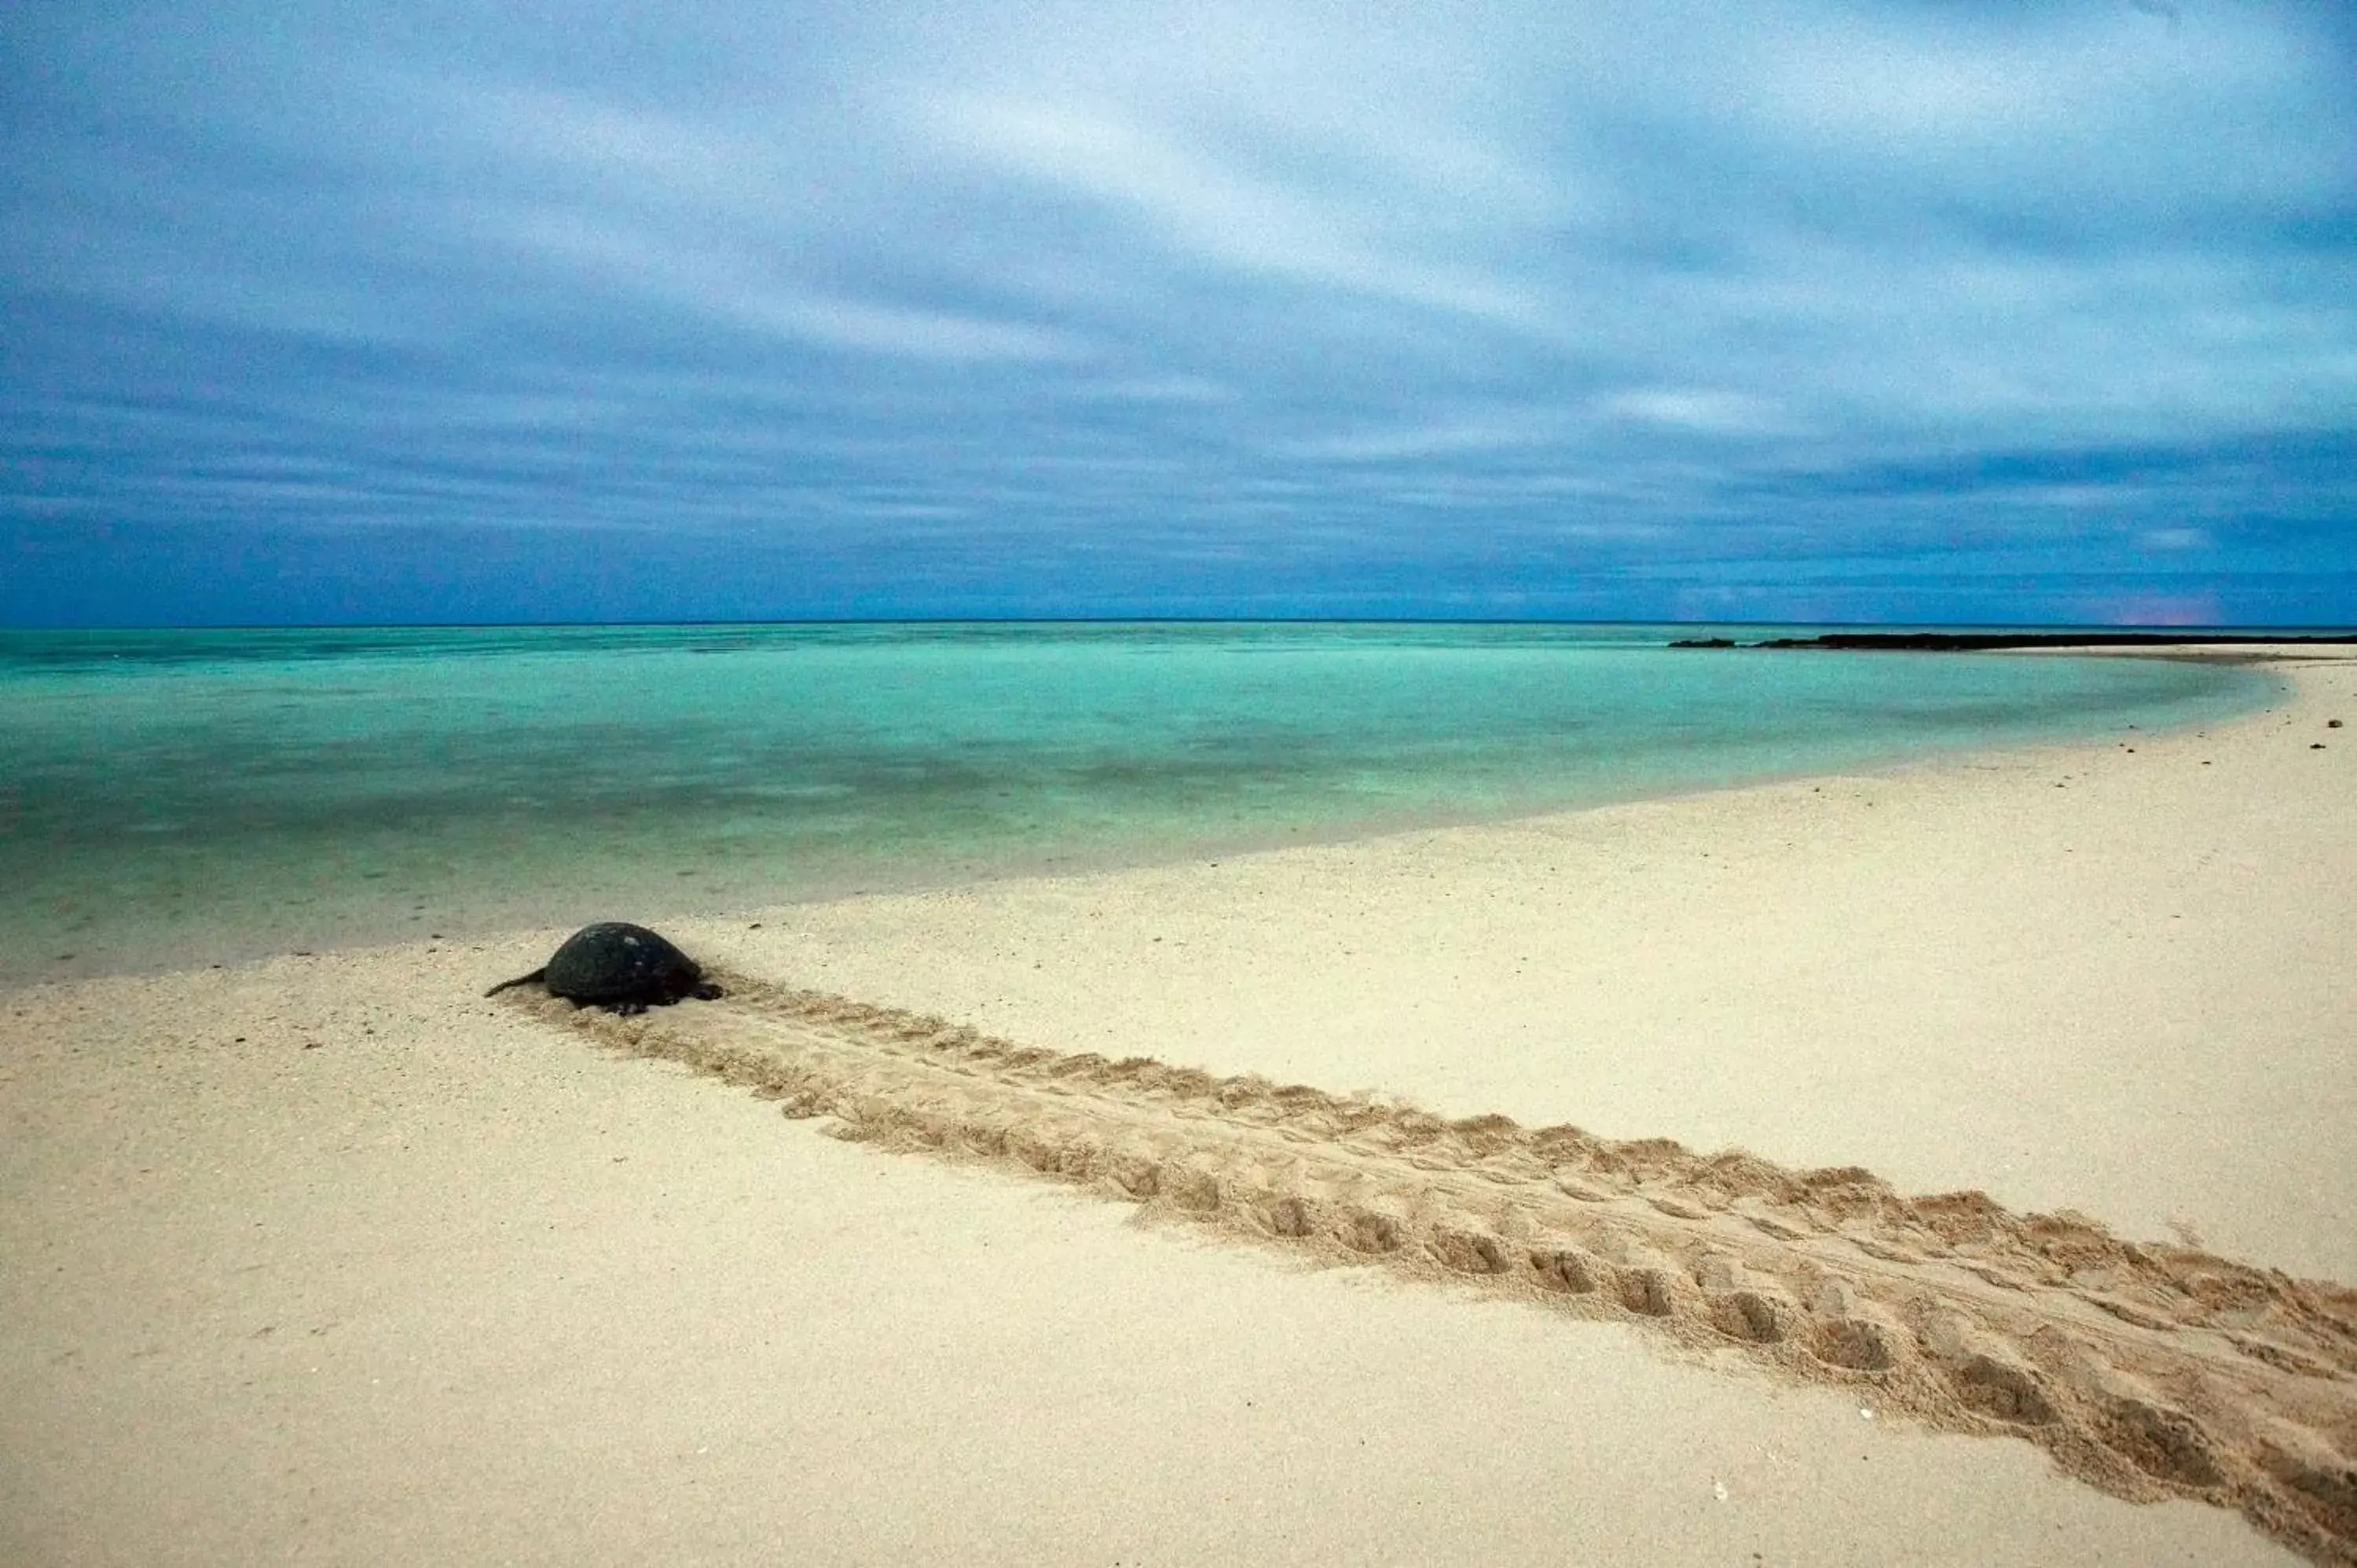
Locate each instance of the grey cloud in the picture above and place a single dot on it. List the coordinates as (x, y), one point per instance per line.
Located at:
(1174, 283)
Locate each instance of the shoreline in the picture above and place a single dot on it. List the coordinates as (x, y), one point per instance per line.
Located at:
(363, 933)
(329, 1254)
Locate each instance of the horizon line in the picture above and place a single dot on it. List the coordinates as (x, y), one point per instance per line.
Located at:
(2022, 626)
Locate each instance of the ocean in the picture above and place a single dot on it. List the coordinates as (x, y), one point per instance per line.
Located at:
(172, 798)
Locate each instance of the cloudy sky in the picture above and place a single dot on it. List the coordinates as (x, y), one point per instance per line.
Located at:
(1922, 310)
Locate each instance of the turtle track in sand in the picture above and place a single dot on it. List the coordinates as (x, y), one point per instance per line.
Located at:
(2149, 1371)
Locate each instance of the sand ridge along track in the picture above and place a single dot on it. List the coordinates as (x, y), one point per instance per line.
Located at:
(2149, 1371)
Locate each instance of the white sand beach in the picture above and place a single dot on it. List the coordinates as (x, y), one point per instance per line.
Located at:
(328, 1258)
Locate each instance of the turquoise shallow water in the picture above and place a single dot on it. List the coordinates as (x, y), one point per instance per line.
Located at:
(181, 796)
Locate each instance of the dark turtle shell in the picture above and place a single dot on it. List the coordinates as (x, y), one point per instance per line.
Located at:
(618, 965)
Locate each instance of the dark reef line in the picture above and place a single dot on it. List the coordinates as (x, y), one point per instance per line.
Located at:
(1979, 642)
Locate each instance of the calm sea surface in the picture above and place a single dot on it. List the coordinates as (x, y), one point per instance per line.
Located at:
(185, 797)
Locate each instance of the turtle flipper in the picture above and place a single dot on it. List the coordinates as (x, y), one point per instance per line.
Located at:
(538, 974)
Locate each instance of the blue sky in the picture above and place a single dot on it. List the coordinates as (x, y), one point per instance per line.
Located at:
(2005, 310)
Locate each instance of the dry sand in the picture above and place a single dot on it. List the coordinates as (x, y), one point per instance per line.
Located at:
(326, 1259)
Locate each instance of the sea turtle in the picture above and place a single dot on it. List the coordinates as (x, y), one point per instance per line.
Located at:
(618, 966)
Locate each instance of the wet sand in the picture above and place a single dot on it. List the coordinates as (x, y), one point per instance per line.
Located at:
(327, 1257)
